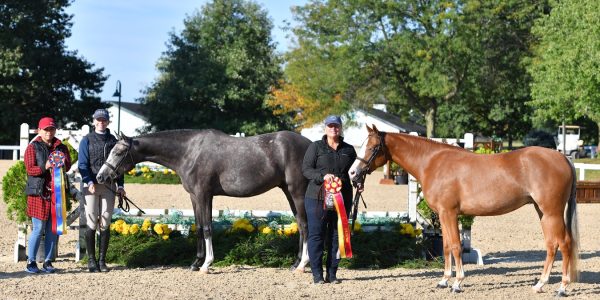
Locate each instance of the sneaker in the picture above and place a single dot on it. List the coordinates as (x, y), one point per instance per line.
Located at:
(47, 267)
(32, 267)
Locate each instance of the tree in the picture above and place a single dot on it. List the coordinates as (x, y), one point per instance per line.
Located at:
(218, 72)
(565, 70)
(494, 98)
(38, 76)
(413, 53)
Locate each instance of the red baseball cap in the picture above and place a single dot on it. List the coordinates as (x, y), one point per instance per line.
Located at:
(46, 122)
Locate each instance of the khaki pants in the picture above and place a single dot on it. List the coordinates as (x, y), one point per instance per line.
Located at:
(98, 206)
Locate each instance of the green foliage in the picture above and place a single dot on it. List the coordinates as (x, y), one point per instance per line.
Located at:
(423, 208)
(566, 82)
(13, 191)
(72, 151)
(371, 250)
(466, 221)
(152, 177)
(427, 213)
(217, 72)
(38, 75)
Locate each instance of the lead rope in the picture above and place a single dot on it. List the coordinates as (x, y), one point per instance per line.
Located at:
(123, 200)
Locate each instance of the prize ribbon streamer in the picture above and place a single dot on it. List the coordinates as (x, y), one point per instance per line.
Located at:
(59, 207)
(334, 187)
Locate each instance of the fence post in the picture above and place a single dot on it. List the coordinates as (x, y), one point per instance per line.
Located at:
(23, 140)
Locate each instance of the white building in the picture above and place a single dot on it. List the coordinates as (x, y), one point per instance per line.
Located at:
(132, 118)
(356, 133)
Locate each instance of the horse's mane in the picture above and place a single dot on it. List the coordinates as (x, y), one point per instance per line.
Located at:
(429, 141)
(181, 132)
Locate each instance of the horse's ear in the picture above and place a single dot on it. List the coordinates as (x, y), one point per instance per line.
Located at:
(369, 128)
(375, 129)
(123, 136)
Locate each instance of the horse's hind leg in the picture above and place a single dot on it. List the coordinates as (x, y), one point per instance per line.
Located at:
(554, 232)
(296, 200)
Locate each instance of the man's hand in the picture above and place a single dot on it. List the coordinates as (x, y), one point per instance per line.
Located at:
(328, 177)
(91, 188)
(360, 187)
(121, 191)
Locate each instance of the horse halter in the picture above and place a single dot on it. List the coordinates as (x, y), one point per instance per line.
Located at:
(374, 152)
(120, 162)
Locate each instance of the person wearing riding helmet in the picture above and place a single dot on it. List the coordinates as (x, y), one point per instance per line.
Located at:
(39, 192)
(324, 160)
(99, 198)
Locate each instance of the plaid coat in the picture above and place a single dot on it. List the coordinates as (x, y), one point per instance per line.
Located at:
(36, 206)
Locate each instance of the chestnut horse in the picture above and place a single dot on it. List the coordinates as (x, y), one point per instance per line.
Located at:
(211, 162)
(456, 181)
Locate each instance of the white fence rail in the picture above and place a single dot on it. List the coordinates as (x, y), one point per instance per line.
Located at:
(583, 167)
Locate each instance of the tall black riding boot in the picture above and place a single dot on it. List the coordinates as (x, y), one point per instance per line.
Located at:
(104, 237)
(90, 247)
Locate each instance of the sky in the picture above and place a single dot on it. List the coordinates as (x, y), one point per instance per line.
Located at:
(127, 37)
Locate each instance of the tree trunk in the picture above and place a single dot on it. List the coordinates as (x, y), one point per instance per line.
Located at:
(430, 121)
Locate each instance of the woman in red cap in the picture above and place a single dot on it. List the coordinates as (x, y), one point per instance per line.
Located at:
(39, 192)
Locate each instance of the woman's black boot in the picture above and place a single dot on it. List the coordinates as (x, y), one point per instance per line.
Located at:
(90, 247)
(104, 237)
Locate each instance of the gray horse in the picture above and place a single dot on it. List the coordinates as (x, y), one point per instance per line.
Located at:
(211, 162)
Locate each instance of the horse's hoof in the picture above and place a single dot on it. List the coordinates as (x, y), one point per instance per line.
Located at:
(537, 289)
(204, 271)
(441, 286)
(561, 293)
(194, 268)
(456, 290)
(298, 271)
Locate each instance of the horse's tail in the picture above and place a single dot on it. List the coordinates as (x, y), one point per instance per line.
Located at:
(572, 225)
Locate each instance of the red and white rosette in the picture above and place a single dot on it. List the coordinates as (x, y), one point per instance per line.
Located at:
(333, 188)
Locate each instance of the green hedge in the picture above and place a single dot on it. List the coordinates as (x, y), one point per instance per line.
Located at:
(377, 249)
(13, 190)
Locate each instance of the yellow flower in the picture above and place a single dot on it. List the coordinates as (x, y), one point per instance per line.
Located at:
(166, 171)
(294, 227)
(145, 169)
(357, 226)
(279, 231)
(287, 231)
(242, 224)
(120, 221)
(118, 227)
(266, 230)
(193, 228)
(407, 229)
(112, 226)
(165, 237)
(135, 228)
(125, 229)
(158, 229)
(166, 230)
(173, 172)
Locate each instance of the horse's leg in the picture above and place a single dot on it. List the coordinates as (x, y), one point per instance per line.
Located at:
(296, 200)
(554, 231)
(452, 248)
(200, 253)
(206, 228)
